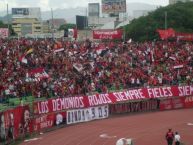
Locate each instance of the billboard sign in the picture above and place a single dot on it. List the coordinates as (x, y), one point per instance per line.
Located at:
(26, 13)
(20, 11)
(81, 22)
(113, 6)
(93, 9)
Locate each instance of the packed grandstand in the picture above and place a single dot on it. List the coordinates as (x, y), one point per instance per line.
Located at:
(64, 68)
(49, 82)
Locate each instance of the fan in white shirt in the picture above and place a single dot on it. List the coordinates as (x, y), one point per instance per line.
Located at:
(177, 138)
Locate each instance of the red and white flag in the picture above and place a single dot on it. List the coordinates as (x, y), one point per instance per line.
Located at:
(58, 50)
(58, 47)
(37, 74)
(72, 33)
(23, 57)
(78, 67)
(178, 66)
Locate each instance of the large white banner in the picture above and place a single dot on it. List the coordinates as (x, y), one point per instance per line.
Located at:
(88, 114)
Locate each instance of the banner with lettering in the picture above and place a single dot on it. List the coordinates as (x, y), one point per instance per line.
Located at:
(108, 34)
(46, 121)
(59, 104)
(88, 114)
(131, 107)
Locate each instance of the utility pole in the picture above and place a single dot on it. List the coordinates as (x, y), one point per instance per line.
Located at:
(8, 19)
(166, 15)
(52, 24)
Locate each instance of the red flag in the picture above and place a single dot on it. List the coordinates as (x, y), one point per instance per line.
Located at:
(165, 34)
(37, 75)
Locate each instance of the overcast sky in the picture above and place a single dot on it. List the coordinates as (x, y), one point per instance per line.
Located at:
(48, 4)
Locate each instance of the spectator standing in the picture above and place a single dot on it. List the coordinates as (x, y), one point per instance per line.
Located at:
(177, 138)
(170, 137)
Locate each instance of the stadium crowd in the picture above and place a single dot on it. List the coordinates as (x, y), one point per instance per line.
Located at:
(82, 68)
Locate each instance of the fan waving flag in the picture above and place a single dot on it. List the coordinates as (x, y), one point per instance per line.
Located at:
(58, 47)
(23, 57)
(37, 74)
(30, 51)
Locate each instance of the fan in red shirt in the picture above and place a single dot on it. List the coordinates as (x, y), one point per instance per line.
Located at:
(170, 137)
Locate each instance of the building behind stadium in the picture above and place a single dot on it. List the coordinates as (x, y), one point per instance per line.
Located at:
(26, 21)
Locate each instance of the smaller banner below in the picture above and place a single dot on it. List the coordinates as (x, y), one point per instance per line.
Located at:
(131, 107)
(88, 114)
(4, 32)
(107, 34)
(172, 103)
(44, 121)
(189, 102)
(49, 120)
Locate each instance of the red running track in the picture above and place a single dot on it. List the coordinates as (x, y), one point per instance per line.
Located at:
(144, 129)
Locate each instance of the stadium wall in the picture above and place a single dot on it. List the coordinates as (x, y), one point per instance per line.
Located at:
(54, 113)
